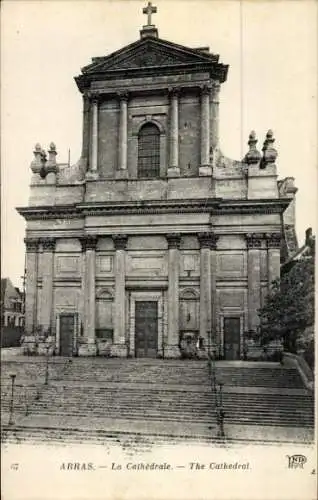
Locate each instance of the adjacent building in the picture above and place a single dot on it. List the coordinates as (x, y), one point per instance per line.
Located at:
(12, 313)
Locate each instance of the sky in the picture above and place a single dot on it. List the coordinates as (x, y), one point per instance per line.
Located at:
(271, 47)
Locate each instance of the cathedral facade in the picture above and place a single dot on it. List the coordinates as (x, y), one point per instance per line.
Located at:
(154, 239)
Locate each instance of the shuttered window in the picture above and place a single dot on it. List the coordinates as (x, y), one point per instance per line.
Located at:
(149, 151)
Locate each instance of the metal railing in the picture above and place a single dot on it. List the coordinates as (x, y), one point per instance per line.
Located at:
(217, 391)
(21, 397)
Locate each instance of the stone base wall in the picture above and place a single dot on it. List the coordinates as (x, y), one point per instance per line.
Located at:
(172, 352)
(103, 348)
(87, 349)
(29, 345)
(118, 350)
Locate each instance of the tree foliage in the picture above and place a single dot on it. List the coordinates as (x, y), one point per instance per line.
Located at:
(289, 307)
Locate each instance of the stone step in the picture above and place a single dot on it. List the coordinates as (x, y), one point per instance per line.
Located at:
(110, 395)
(187, 406)
(208, 419)
(133, 370)
(77, 436)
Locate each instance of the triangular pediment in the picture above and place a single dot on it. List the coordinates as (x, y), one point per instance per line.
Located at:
(148, 53)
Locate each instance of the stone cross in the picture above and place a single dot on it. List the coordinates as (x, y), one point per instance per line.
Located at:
(149, 10)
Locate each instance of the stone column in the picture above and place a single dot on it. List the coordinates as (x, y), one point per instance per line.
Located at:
(48, 246)
(205, 167)
(31, 270)
(119, 347)
(88, 346)
(214, 339)
(254, 243)
(93, 160)
(172, 349)
(205, 287)
(85, 138)
(122, 135)
(215, 116)
(174, 169)
(273, 257)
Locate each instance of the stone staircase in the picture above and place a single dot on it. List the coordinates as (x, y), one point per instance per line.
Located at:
(273, 376)
(164, 371)
(146, 401)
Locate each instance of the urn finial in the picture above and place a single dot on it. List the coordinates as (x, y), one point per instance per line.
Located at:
(269, 152)
(253, 155)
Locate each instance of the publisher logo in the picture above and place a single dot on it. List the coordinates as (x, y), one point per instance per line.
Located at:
(296, 461)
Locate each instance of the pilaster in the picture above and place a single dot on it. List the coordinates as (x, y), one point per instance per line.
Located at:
(172, 349)
(207, 293)
(213, 251)
(174, 169)
(31, 269)
(214, 106)
(85, 138)
(88, 346)
(205, 287)
(205, 167)
(254, 244)
(273, 241)
(122, 142)
(48, 247)
(93, 160)
(119, 347)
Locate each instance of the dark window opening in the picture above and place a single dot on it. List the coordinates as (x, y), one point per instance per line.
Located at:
(149, 151)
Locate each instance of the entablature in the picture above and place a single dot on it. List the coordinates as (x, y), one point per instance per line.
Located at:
(214, 206)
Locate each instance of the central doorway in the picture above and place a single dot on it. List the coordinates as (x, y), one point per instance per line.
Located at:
(231, 330)
(67, 330)
(146, 329)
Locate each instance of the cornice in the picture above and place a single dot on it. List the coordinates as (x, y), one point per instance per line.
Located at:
(257, 206)
(214, 206)
(217, 71)
(149, 207)
(49, 212)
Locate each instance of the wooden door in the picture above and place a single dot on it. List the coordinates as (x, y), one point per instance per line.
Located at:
(231, 329)
(67, 330)
(146, 329)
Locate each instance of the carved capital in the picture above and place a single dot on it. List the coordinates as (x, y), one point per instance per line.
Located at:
(85, 103)
(208, 240)
(216, 86)
(31, 244)
(273, 240)
(48, 244)
(173, 240)
(94, 98)
(123, 95)
(254, 240)
(205, 89)
(173, 92)
(88, 242)
(120, 241)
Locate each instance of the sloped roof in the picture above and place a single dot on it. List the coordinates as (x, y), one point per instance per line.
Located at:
(306, 251)
(152, 53)
(3, 288)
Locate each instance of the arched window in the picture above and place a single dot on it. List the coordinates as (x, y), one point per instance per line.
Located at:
(149, 151)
